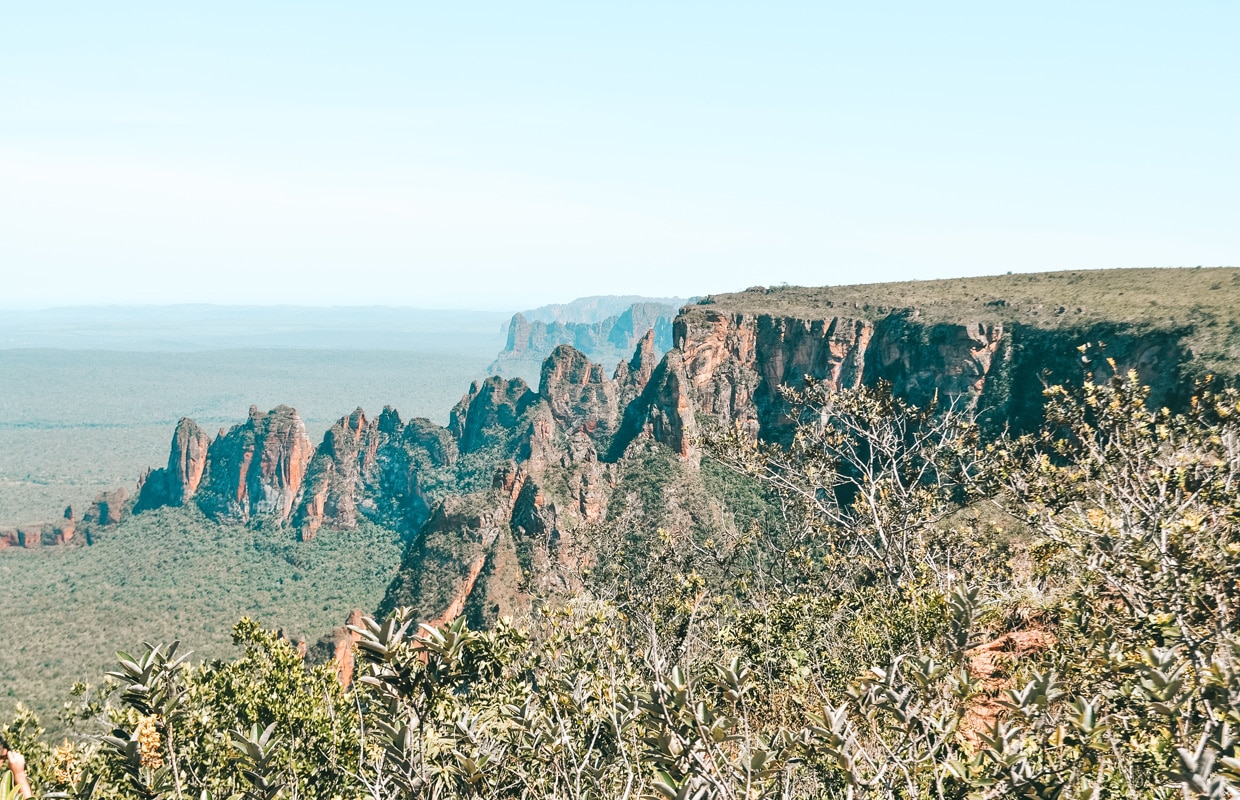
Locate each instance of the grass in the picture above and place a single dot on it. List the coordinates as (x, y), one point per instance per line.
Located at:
(173, 574)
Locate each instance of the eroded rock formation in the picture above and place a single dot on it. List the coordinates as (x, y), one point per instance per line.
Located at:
(607, 341)
(490, 504)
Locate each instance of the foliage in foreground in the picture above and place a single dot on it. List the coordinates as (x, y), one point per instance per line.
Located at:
(882, 641)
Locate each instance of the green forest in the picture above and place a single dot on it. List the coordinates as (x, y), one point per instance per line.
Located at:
(906, 608)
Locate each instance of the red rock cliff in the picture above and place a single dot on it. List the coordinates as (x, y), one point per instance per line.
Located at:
(256, 468)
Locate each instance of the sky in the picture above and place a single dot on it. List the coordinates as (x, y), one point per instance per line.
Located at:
(504, 155)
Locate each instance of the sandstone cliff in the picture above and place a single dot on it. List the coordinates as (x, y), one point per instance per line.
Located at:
(491, 504)
(737, 359)
(582, 435)
(178, 482)
(376, 468)
(604, 342)
(257, 467)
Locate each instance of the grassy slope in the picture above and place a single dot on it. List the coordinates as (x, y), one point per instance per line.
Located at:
(172, 574)
(1207, 300)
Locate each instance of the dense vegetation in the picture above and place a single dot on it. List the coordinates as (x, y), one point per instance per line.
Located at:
(913, 612)
(172, 573)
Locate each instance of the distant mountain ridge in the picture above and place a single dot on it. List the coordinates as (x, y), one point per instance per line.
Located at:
(532, 335)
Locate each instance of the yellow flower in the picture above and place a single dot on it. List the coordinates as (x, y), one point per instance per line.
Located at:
(65, 769)
(149, 742)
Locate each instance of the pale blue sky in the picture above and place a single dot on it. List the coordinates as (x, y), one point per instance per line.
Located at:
(502, 155)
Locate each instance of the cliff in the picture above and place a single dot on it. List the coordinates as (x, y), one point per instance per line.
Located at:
(256, 468)
(492, 505)
(587, 444)
(991, 342)
(597, 307)
(374, 468)
(607, 341)
(178, 482)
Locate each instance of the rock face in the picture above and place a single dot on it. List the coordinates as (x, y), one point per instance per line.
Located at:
(664, 411)
(39, 534)
(579, 393)
(108, 508)
(256, 468)
(605, 342)
(453, 563)
(493, 404)
(736, 362)
(187, 461)
(484, 553)
(177, 483)
(374, 469)
(338, 473)
(490, 504)
(63, 532)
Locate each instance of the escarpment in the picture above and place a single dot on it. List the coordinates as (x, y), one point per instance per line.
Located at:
(492, 504)
(531, 341)
(736, 362)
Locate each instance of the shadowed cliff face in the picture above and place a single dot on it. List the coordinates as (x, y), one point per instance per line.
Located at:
(494, 403)
(735, 363)
(373, 468)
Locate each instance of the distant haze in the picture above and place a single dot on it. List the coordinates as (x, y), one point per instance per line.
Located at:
(210, 327)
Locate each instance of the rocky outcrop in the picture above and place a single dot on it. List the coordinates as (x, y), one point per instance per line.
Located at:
(27, 536)
(486, 553)
(39, 534)
(493, 405)
(65, 531)
(178, 482)
(580, 395)
(462, 560)
(604, 342)
(108, 508)
(664, 411)
(337, 474)
(374, 469)
(633, 375)
(187, 461)
(256, 468)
